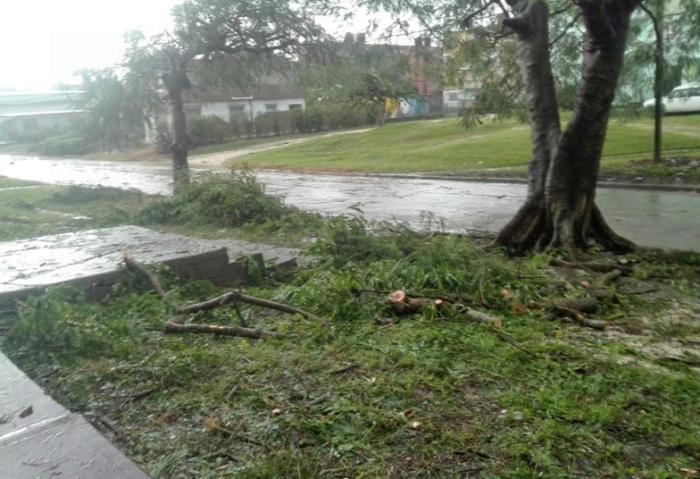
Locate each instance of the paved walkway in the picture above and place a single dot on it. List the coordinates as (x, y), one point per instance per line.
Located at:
(39, 438)
(91, 260)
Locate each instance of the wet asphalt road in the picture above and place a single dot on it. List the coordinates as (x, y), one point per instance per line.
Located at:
(650, 218)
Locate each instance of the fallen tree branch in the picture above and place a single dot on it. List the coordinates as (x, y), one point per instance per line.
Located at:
(478, 316)
(609, 277)
(592, 266)
(238, 297)
(583, 305)
(180, 328)
(573, 309)
(345, 369)
(152, 277)
(401, 303)
(413, 294)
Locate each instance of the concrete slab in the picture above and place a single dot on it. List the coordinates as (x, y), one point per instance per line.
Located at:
(39, 438)
(90, 260)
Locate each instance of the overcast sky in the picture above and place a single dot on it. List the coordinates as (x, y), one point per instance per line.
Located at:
(43, 42)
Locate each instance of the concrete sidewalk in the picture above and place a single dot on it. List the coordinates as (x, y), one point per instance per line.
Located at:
(91, 260)
(39, 438)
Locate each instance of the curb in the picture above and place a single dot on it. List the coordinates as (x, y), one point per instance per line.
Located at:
(695, 188)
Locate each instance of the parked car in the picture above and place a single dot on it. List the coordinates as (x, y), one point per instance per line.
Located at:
(683, 99)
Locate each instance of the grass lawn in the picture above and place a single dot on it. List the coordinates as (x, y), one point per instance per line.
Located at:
(442, 146)
(364, 393)
(33, 209)
(28, 210)
(12, 183)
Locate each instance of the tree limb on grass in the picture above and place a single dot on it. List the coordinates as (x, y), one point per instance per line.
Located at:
(180, 328)
(593, 266)
(574, 309)
(133, 265)
(401, 303)
(238, 297)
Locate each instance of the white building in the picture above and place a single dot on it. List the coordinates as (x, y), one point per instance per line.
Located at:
(28, 116)
(243, 104)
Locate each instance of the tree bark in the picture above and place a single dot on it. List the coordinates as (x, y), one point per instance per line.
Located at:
(176, 81)
(560, 210)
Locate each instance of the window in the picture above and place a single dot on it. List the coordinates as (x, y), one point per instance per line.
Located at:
(30, 125)
(684, 93)
(296, 106)
(453, 96)
(193, 112)
(236, 112)
(270, 107)
(469, 93)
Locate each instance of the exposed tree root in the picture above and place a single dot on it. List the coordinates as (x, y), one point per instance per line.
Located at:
(606, 237)
(532, 228)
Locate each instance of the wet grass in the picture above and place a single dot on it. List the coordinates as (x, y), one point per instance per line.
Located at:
(12, 183)
(442, 146)
(431, 395)
(363, 393)
(674, 169)
(213, 208)
(41, 209)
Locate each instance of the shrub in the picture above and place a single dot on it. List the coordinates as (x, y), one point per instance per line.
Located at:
(63, 145)
(309, 120)
(207, 130)
(51, 325)
(332, 116)
(225, 201)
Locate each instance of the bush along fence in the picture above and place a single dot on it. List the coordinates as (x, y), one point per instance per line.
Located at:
(208, 130)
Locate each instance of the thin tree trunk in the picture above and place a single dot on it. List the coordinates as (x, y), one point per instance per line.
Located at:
(176, 81)
(560, 209)
(530, 223)
(180, 148)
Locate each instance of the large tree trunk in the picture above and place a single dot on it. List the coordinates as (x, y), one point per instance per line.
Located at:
(560, 210)
(176, 81)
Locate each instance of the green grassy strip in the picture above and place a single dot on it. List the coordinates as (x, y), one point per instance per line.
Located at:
(443, 146)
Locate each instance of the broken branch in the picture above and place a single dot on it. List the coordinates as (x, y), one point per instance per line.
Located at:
(592, 266)
(238, 297)
(152, 277)
(179, 328)
(574, 309)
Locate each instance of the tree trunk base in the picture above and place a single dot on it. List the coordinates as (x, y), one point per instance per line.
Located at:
(534, 227)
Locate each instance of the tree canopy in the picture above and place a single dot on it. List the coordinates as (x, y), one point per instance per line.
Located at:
(209, 29)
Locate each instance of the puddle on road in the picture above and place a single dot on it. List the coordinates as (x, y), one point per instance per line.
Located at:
(650, 218)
